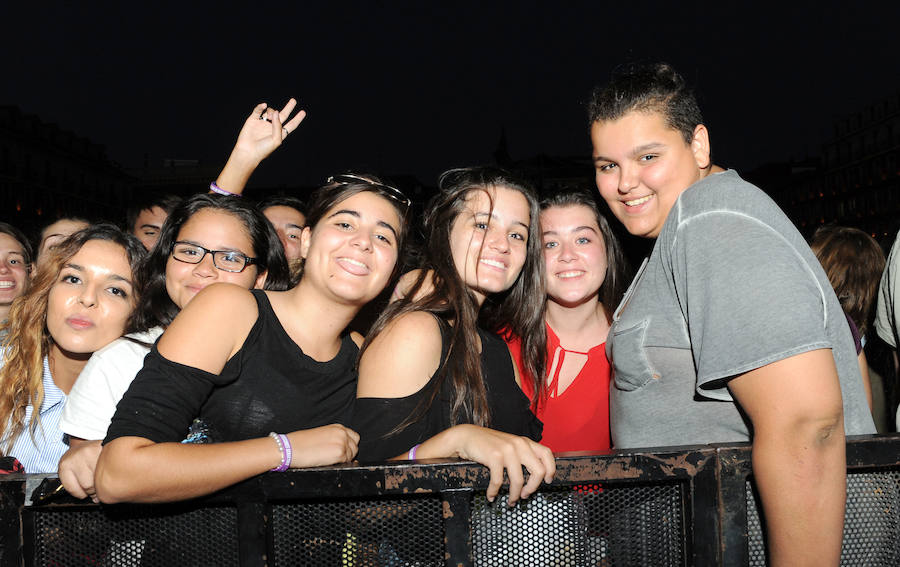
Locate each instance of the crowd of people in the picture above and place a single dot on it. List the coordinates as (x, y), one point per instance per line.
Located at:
(513, 337)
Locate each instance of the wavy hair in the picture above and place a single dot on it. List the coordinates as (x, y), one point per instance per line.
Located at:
(156, 308)
(28, 341)
(853, 262)
(519, 310)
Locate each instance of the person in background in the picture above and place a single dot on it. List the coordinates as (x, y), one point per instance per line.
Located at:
(432, 383)
(731, 325)
(145, 219)
(585, 271)
(268, 362)
(287, 215)
(853, 262)
(887, 314)
(15, 266)
(78, 303)
(54, 233)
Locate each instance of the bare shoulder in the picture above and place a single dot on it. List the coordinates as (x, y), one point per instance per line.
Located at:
(211, 328)
(402, 358)
(357, 338)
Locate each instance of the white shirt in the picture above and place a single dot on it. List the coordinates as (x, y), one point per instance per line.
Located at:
(103, 382)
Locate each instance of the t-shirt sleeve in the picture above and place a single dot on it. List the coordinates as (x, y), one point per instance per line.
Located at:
(748, 296)
(101, 384)
(163, 400)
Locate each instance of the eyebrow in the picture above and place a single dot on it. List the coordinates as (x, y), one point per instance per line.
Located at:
(225, 249)
(156, 226)
(492, 216)
(292, 225)
(635, 151)
(356, 214)
(114, 277)
(573, 231)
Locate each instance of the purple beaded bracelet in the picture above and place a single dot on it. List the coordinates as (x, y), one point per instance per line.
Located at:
(216, 189)
(287, 453)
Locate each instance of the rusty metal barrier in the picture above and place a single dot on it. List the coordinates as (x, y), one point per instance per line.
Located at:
(668, 506)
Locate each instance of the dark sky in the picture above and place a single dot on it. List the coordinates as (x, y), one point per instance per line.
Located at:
(421, 87)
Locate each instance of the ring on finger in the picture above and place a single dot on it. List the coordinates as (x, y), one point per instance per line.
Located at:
(286, 131)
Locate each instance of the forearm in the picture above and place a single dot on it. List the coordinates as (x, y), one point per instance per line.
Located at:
(134, 469)
(801, 478)
(237, 171)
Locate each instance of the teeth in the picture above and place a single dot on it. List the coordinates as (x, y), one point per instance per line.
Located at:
(7, 285)
(494, 263)
(354, 262)
(572, 274)
(637, 202)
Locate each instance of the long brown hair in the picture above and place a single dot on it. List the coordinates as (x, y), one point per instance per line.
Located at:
(28, 341)
(519, 310)
(853, 262)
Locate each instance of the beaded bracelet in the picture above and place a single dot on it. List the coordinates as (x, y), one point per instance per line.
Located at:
(287, 453)
(412, 452)
(216, 189)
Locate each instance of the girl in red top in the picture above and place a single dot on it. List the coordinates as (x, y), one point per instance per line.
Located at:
(585, 281)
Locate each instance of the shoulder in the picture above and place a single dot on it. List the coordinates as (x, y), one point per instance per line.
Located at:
(408, 351)
(212, 328)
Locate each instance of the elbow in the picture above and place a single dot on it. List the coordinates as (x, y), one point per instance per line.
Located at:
(113, 481)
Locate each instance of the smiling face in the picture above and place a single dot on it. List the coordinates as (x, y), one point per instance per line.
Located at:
(288, 223)
(91, 298)
(351, 252)
(212, 229)
(488, 240)
(148, 225)
(643, 165)
(574, 253)
(13, 271)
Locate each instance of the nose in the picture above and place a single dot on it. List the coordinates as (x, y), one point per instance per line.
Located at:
(498, 240)
(628, 179)
(4, 267)
(282, 236)
(566, 252)
(88, 296)
(206, 268)
(363, 240)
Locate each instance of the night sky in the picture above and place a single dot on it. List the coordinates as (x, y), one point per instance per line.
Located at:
(418, 88)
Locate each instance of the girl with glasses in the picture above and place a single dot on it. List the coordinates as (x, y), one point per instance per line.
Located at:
(247, 254)
(434, 378)
(78, 303)
(269, 375)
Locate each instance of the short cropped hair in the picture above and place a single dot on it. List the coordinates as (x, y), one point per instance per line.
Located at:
(655, 87)
(164, 202)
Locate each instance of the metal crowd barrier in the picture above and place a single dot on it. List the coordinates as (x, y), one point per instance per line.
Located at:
(670, 506)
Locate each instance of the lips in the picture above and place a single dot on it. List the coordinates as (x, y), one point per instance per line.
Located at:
(7, 284)
(492, 263)
(570, 274)
(79, 323)
(353, 266)
(637, 202)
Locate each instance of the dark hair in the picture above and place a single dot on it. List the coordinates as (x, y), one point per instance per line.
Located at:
(281, 200)
(156, 308)
(330, 194)
(853, 262)
(39, 237)
(164, 202)
(655, 87)
(27, 250)
(519, 310)
(616, 281)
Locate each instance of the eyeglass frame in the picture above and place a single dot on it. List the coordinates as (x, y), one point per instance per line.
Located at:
(393, 192)
(248, 261)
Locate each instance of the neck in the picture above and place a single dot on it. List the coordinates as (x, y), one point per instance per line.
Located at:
(328, 319)
(576, 323)
(4, 311)
(65, 367)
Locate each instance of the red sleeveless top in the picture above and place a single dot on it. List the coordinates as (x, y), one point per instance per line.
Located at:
(576, 419)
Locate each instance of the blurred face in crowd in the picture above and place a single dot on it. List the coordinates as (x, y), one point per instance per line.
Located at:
(148, 225)
(288, 223)
(14, 272)
(214, 230)
(91, 299)
(56, 233)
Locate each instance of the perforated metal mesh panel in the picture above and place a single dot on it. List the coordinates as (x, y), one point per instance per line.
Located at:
(389, 532)
(871, 522)
(125, 536)
(616, 525)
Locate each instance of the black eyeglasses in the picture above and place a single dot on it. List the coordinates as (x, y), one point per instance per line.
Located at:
(392, 192)
(225, 260)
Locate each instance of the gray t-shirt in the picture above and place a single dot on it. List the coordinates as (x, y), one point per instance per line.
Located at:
(729, 287)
